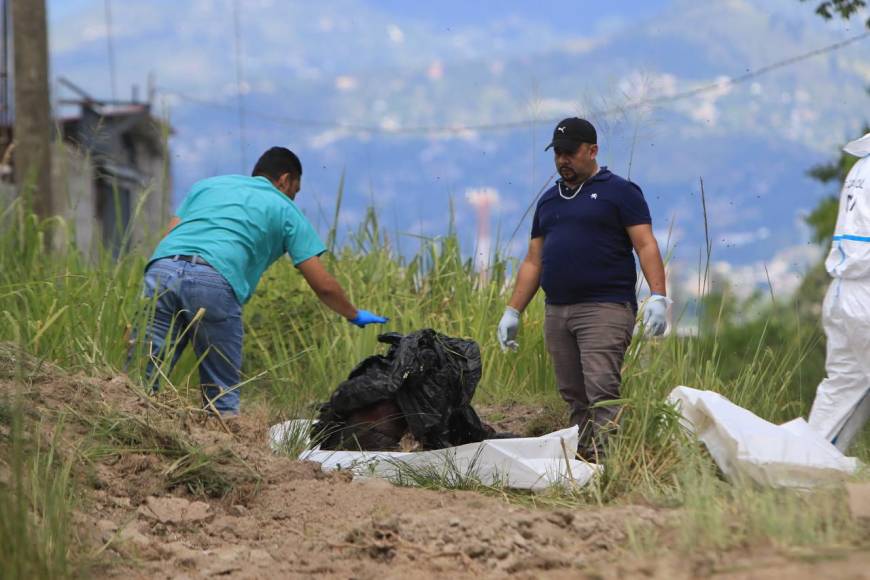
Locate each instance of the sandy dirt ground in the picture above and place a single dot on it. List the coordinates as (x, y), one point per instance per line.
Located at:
(287, 519)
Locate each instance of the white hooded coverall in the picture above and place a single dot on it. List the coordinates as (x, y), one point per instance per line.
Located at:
(842, 404)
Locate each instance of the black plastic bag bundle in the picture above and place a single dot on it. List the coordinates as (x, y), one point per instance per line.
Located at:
(423, 385)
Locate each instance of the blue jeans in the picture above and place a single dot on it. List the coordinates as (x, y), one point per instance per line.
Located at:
(181, 290)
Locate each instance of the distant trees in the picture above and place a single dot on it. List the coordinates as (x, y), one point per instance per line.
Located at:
(823, 219)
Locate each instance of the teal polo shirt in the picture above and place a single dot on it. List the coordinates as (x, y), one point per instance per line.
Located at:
(240, 225)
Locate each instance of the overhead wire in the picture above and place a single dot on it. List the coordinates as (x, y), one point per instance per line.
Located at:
(700, 90)
(646, 102)
(110, 50)
(240, 88)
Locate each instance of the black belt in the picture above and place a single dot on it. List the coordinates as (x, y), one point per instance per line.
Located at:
(192, 259)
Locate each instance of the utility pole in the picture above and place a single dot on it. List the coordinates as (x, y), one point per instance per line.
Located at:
(5, 97)
(32, 128)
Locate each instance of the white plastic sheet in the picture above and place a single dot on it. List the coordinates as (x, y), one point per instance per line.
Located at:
(746, 446)
(533, 463)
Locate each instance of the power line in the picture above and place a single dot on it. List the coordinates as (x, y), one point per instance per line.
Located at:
(510, 125)
(110, 49)
(758, 72)
(237, 30)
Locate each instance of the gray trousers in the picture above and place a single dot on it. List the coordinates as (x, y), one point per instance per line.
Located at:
(587, 343)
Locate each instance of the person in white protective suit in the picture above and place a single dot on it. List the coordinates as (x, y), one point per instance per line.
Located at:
(842, 404)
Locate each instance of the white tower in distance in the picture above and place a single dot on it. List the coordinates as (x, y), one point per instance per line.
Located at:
(483, 199)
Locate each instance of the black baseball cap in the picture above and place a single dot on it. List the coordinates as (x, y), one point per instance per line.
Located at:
(573, 131)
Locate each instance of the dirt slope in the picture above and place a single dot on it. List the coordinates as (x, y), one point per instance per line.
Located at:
(255, 514)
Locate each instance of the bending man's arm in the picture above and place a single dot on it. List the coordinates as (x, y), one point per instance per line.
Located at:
(327, 288)
(528, 277)
(650, 258)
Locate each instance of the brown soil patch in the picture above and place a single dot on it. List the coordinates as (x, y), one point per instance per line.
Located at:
(525, 420)
(143, 516)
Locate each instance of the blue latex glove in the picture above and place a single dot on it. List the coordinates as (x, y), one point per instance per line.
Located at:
(507, 329)
(655, 314)
(364, 317)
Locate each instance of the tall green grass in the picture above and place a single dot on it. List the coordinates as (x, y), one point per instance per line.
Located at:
(717, 515)
(36, 500)
(76, 311)
(63, 306)
(436, 288)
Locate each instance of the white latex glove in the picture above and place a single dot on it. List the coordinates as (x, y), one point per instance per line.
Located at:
(507, 329)
(655, 314)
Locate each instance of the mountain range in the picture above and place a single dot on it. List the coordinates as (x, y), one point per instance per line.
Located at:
(416, 111)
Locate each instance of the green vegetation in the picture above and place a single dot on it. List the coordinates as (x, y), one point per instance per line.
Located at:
(212, 474)
(36, 501)
(64, 309)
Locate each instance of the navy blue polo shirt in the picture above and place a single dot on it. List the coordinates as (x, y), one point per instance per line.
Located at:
(588, 256)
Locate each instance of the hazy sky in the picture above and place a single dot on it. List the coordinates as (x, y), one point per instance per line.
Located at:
(334, 80)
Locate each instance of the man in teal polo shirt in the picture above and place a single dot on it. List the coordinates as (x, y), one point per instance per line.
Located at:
(226, 233)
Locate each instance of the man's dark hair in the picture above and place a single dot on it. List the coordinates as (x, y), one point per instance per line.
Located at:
(277, 161)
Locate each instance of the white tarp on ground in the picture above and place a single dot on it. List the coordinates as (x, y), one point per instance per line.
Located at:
(745, 445)
(524, 463)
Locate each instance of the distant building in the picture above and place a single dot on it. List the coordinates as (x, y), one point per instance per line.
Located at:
(110, 175)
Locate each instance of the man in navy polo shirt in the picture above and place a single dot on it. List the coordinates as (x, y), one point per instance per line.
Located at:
(583, 233)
